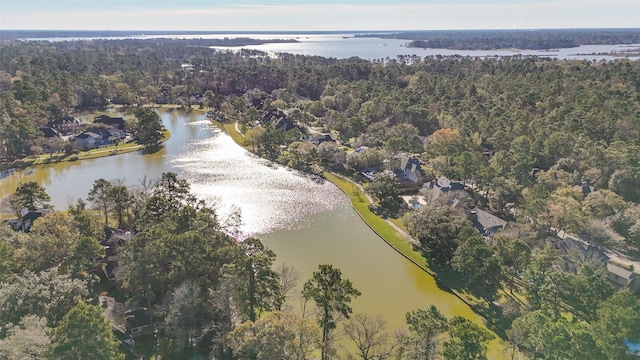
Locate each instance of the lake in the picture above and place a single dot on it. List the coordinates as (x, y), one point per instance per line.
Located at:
(305, 220)
(345, 45)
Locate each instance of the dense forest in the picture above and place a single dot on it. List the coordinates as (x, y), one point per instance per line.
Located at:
(525, 135)
(513, 39)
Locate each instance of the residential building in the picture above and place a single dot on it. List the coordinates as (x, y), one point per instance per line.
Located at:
(26, 221)
(114, 122)
(622, 276)
(487, 223)
(88, 140)
(319, 139)
(408, 171)
(66, 125)
(440, 186)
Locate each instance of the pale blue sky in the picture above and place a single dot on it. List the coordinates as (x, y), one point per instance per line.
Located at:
(293, 15)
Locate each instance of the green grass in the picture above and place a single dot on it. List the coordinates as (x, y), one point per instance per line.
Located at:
(395, 239)
(230, 129)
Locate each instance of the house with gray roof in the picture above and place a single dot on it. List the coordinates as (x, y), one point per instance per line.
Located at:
(487, 223)
(622, 276)
(88, 140)
(442, 185)
(408, 171)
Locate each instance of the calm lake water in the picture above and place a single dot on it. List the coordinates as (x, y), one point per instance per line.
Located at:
(306, 221)
(343, 46)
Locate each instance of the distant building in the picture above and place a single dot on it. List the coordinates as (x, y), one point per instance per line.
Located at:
(486, 223)
(187, 67)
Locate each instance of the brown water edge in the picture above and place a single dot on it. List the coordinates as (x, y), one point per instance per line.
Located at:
(390, 284)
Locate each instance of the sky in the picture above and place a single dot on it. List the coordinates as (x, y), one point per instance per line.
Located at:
(316, 15)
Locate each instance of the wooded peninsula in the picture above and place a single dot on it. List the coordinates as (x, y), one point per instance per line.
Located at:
(542, 39)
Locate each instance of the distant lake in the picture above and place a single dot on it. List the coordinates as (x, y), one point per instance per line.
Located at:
(345, 45)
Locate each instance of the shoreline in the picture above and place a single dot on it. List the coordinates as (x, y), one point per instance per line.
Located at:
(94, 153)
(396, 238)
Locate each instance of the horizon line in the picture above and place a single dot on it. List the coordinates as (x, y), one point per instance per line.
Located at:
(323, 31)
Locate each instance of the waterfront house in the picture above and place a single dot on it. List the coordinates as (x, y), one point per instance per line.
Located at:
(486, 223)
(88, 140)
(99, 137)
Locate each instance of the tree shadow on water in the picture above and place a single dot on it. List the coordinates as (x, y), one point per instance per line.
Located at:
(151, 149)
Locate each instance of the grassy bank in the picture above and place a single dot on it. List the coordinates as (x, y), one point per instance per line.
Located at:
(122, 148)
(394, 238)
(230, 129)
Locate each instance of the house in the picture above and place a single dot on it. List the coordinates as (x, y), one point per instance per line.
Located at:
(622, 276)
(115, 313)
(114, 238)
(49, 132)
(408, 171)
(99, 137)
(26, 221)
(585, 188)
(568, 245)
(283, 123)
(66, 125)
(139, 322)
(114, 122)
(278, 120)
(487, 223)
(440, 186)
(319, 139)
(88, 140)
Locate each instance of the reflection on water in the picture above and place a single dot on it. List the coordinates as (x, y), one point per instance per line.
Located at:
(269, 196)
